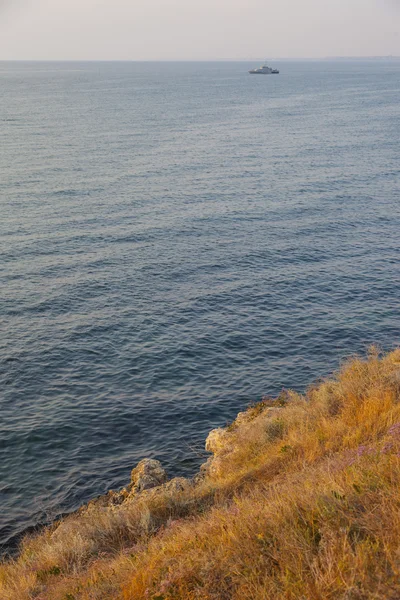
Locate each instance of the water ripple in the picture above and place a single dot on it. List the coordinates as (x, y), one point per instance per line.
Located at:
(175, 244)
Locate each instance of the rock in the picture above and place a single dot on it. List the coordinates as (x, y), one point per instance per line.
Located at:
(216, 467)
(216, 441)
(243, 417)
(201, 475)
(220, 442)
(176, 485)
(170, 488)
(147, 474)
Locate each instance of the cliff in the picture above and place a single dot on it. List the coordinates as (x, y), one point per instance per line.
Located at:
(298, 500)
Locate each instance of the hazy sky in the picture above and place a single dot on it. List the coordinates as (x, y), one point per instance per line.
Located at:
(197, 29)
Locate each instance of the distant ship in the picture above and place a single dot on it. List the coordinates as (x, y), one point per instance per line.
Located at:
(264, 70)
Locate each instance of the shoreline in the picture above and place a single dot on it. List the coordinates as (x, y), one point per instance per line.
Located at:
(149, 474)
(306, 484)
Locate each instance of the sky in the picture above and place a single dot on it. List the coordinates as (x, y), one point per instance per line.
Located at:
(197, 29)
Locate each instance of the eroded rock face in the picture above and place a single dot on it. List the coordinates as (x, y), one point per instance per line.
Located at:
(170, 488)
(178, 484)
(223, 442)
(149, 479)
(219, 443)
(148, 474)
(216, 440)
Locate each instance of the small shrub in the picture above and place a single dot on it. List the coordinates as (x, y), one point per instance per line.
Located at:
(275, 430)
(286, 448)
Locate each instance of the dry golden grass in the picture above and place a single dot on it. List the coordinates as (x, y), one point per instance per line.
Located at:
(304, 504)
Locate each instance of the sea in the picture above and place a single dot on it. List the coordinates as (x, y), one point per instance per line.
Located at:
(176, 241)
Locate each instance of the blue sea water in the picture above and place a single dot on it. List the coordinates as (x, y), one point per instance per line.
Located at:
(176, 240)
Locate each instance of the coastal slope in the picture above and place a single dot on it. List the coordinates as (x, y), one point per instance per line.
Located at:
(298, 500)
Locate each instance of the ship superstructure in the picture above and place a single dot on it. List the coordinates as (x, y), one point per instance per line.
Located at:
(264, 70)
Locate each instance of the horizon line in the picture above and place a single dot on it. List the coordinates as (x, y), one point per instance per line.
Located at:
(174, 60)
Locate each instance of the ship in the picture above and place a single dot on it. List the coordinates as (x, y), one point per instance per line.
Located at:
(264, 70)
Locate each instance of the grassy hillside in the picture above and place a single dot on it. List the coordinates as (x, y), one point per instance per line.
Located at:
(299, 501)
